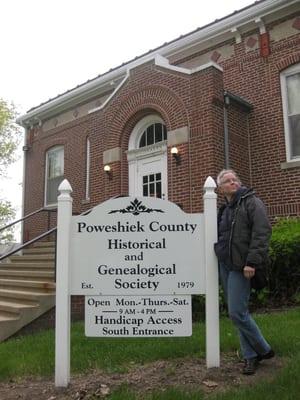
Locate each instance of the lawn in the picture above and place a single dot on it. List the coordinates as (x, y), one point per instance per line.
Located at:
(34, 356)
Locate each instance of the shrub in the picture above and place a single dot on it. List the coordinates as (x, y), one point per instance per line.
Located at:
(284, 268)
(283, 271)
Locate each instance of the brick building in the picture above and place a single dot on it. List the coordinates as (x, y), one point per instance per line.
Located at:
(226, 94)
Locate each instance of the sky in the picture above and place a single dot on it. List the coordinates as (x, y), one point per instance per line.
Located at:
(51, 46)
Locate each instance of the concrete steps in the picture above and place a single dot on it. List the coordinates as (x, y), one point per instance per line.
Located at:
(27, 274)
(27, 266)
(27, 287)
(28, 258)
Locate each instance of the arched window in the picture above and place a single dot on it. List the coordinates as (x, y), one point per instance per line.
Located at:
(54, 173)
(154, 133)
(290, 88)
(147, 158)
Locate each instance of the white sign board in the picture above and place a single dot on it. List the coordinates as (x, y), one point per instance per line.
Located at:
(135, 316)
(137, 246)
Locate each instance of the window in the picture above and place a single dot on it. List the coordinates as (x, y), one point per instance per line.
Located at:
(153, 134)
(87, 170)
(147, 158)
(152, 185)
(54, 173)
(290, 86)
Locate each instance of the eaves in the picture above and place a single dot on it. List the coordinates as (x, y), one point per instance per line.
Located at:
(232, 26)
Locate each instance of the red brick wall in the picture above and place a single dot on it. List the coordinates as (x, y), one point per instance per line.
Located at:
(257, 80)
(181, 100)
(256, 140)
(238, 133)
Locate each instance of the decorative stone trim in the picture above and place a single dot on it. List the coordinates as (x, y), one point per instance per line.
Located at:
(290, 164)
(260, 23)
(237, 35)
(284, 30)
(147, 151)
(178, 136)
(251, 43)
(112, 155)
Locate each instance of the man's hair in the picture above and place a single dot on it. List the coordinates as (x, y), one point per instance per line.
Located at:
(224, 172)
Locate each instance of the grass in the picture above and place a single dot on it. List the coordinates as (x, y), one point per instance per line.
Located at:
(34, 355)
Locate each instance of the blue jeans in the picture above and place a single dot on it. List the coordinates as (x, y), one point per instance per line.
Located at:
(237, 293)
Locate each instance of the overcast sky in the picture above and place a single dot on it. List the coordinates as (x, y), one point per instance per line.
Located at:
(50, 46)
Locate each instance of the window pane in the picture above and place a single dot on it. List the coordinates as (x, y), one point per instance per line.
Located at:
(143, 140)
(150, 135)
(52, 189)
(145, 179)
(55, 173)
(158, 133)
(293, 88)
(151, 177)
(152, 189)
(55, 163)
(165, 132)
(155, 133)
(145, 190)
(295, 135)
(158, 190)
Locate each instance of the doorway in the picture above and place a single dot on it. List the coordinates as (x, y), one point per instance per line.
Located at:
(147, 159)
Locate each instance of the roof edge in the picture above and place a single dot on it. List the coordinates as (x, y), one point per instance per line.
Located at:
(86, 90)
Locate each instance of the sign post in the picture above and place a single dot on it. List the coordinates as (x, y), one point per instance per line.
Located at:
(212, 280)
(137, 261)
(62, 313)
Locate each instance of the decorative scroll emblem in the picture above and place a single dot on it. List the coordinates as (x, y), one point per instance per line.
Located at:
(136, 208)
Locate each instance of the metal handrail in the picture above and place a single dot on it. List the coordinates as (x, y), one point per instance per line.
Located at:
(27, 216)
(10, 253)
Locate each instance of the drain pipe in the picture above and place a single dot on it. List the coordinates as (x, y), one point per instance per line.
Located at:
(245, 106)
(25, 149)
(226, 132)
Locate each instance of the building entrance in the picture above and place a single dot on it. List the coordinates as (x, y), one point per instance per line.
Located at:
(147, 159)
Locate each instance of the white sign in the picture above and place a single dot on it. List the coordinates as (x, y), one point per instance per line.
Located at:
(143, 246)
(136, 246)
(135, 316)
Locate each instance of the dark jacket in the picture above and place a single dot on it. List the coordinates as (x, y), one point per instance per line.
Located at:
(243, 231)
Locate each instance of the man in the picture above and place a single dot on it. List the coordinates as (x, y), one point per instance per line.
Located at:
(242, 248)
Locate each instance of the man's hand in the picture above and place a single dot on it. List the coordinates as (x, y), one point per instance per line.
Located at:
(249, 272)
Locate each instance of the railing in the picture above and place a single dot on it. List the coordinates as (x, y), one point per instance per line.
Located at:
(49, 231)
(22, 246)
(27, 216)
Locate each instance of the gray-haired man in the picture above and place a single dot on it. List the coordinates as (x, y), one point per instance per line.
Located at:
(243, 239)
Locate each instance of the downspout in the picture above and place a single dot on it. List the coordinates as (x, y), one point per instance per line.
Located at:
(25, 148)
(245, 106)
(226, 132)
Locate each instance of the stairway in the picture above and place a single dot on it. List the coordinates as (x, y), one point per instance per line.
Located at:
(27, 287)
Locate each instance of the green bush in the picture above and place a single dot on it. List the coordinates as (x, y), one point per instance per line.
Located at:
(284, 268)
(283, 272)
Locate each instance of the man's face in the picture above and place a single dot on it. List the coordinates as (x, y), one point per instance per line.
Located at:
(229, 184)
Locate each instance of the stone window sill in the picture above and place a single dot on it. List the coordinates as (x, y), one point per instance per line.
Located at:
(290, 164)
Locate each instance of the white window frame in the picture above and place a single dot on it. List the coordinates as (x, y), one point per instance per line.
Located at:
(87, 170)
(153, 152)
(284, 75)
(139, 129)
(49, 151)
